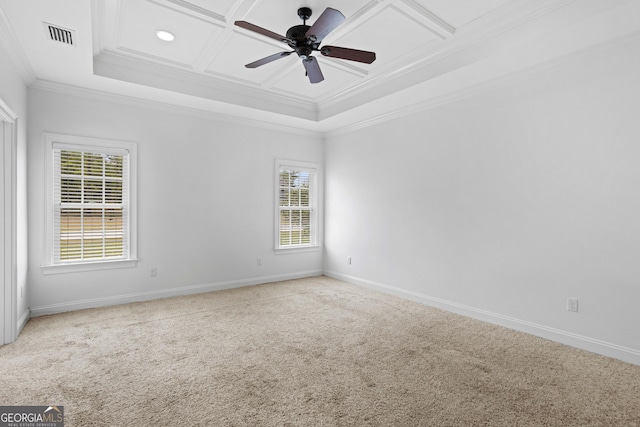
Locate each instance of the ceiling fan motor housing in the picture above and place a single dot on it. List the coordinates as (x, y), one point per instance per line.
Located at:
(297, 33)
(299, 41)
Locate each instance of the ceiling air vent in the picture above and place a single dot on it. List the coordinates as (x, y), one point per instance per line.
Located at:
(59, 34)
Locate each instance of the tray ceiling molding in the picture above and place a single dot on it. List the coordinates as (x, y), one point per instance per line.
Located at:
(171, 108)
(625, 45)
(438, 24)
(185, 5)
(122, 67)
(458, 51)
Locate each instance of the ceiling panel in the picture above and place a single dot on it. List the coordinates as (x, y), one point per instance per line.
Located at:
(242, 49)
(139, 21)
(280, 16)
(391, 33)
(460, 12)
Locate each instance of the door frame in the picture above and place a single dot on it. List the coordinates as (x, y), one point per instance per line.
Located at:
(8, 205)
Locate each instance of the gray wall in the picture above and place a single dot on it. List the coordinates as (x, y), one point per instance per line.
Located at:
(504, 204)
(205, 201)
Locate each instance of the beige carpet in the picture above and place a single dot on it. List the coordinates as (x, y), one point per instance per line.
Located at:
(311, 352)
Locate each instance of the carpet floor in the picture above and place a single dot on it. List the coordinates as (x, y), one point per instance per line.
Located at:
(308, 352)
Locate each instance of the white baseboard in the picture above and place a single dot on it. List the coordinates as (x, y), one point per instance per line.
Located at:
(625, 354)
(164, 293)
(579, 341)
(22, 320)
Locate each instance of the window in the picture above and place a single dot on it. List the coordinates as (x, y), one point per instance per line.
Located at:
(91, 217)
(297, 205)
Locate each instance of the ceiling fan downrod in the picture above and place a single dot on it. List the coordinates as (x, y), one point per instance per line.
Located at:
(304, 13)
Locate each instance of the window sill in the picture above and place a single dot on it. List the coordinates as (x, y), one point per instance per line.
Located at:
(87, 266)
(281, 251)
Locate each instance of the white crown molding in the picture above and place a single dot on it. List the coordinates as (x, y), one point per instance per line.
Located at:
(444, 29)
(245, 120)
(9, 43)
(192, 11)
(157, 59)
(197, 9)
(620, 45)
(6, 113)
(125, 68)
(200, 11)
(97, 10)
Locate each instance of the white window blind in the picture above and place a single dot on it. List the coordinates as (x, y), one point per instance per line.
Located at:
(90, 204)
(297, 222)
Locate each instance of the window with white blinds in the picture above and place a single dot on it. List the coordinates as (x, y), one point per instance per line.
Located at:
(90, 202)
(297, 203)
(90, 205)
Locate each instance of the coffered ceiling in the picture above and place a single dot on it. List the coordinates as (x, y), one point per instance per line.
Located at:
(115, 49)
(209, 52)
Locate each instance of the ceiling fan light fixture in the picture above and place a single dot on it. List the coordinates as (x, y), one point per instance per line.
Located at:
(165, 35)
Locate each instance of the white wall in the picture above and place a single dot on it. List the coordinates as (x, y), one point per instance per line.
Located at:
(502, 205)
(13, 92)
(205, 205)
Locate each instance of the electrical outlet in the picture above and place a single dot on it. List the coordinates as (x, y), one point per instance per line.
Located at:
(349, 260)
(572, 304)
(259, 262)
(154, 272)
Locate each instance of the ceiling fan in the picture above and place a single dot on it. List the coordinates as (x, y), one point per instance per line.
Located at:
(305, 39)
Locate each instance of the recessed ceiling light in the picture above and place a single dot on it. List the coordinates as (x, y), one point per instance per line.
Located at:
(165, 35)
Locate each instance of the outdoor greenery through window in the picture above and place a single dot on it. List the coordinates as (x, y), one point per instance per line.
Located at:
(297, 207)
(90, 205)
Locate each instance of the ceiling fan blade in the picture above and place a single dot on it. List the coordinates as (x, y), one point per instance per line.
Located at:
(251, 27)
(313, 70)
(268, 59)
(327, 22)
(348, 54)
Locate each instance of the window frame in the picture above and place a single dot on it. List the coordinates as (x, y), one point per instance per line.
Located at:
(87, 144)
(315, 203)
